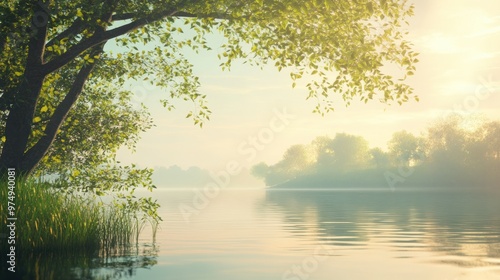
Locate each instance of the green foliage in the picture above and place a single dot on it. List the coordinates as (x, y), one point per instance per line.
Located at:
(341, 47)
(83, 153)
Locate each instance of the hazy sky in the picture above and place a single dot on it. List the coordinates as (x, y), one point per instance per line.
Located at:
(458, 71)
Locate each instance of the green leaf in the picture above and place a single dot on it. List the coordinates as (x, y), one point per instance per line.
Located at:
(369, 6)
(79, 13)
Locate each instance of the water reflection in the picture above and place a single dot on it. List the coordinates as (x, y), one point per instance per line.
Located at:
(249, 235)
(462, 228)
(121, 264)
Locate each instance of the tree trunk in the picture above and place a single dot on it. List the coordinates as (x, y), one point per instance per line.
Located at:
(19, 122)
(16, 153)
(20, 118)
(35, 154)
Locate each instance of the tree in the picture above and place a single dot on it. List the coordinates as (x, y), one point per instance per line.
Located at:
(297, 160)
(490, 140)
(260, 170)
(405, 149)
(272, 175)
(85, 156)
(343, 153)
(380, 159)
(55, 56)
(350, 152)
(447, 141)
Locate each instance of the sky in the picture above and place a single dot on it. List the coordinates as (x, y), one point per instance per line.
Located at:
(257, 114)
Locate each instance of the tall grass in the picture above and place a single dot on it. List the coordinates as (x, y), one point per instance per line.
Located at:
(52, 221)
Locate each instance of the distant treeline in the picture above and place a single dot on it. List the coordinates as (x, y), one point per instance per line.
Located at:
(453, 152)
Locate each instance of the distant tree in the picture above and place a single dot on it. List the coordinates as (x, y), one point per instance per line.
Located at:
(447, 141)
(54, 59)
(465, 147)
(380, 159)
(272, 175)
(405, 149)
(488, 162)
(491, 140)
(342, 153)
(458, 151)
(322, 147)
(350, 152)
(260, 170)
(482, 147)
(297, 160)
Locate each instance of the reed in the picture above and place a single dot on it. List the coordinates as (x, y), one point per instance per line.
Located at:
(49, 220)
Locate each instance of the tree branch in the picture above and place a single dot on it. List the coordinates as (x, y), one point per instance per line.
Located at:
(36, 45)
(125, 16)
(100, 37)
(73, 30)
(109, 8)
(39, 150)
(76, 26)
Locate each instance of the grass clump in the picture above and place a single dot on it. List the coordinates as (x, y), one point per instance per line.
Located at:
(49, 220)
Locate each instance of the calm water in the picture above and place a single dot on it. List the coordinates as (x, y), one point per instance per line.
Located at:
(330, 235)
(296, 235)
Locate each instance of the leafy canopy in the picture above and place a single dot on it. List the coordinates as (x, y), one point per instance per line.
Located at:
(340, 47)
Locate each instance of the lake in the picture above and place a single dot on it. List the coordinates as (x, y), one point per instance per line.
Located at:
(316, 235)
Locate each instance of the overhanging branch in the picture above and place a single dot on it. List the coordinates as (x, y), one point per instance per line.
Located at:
(101, 37)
